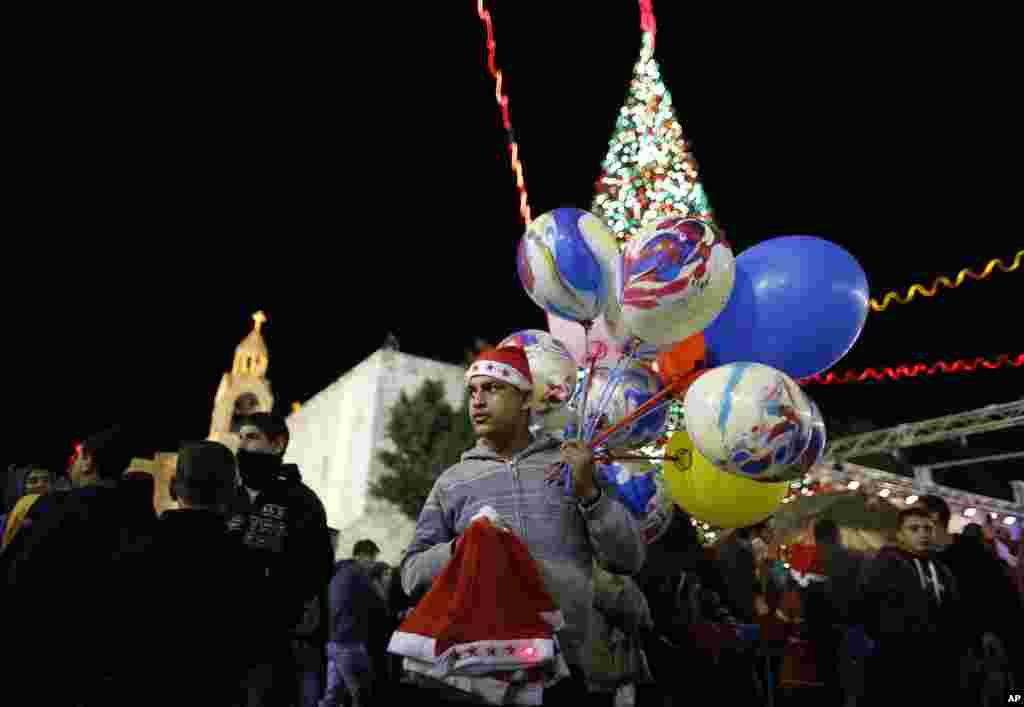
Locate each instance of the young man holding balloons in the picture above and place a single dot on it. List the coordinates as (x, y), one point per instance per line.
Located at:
(511, 470)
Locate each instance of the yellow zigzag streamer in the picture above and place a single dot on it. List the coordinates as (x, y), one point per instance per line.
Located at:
(943, 280)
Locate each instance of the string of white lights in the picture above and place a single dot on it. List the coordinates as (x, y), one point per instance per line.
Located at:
(902, 491)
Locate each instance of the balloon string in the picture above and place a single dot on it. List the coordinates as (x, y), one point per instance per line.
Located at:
(602, 403)
(632, 417)
(912, 371)
(676, 387)
(598, 352)
(587, 382)
(615, 378)
(606, 457)
(945, 281)
(630, 356)
(653, 411)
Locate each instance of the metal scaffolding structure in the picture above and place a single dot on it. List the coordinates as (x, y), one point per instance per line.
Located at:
(976, 460)
(836, 468)
(901, 490)
(913, 434)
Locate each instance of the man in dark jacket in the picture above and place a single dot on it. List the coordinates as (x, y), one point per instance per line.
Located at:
(381, 626)
(828, 604)
(843, 569)
(670, 561)
(69, 580)
(686, 595)
(200, 580)
(986, 593)
(909, 605)
(739, 570)
(353, 599)
(283, 525)
(399, 605)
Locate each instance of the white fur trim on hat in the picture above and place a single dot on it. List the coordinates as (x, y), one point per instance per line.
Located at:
(499, 371)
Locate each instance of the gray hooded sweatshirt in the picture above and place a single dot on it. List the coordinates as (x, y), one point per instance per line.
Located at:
(562, 537)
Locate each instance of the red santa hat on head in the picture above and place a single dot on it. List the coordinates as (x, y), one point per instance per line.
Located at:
(507, 364)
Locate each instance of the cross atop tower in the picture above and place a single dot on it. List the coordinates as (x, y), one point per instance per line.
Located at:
(259, 318)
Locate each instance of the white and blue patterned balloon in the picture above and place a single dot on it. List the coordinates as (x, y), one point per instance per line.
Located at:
(678, 274)
(819, 440)
(563, 264)
(636, 385)
(750, 419)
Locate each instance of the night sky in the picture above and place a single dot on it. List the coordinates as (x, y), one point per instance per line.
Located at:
(347, 174)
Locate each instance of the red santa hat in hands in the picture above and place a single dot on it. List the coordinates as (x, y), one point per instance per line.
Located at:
(487, 623)
(507, 364)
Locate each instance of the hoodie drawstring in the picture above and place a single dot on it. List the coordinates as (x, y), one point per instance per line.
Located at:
(937, 588)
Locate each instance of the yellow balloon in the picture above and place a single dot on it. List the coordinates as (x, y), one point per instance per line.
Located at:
(714, 496)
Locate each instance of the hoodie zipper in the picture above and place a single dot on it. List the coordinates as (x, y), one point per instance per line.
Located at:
(519, 493)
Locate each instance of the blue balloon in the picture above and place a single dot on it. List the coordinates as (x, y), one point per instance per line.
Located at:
(634, 492)
(798, 305)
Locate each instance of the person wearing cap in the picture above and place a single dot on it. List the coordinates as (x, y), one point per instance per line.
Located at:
(199, 589)
(513, 471)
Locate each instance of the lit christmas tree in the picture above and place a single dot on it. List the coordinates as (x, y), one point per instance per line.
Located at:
(649, 171)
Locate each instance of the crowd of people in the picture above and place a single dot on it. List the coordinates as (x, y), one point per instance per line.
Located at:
(931, 615)
(237, 597)
(111, 604)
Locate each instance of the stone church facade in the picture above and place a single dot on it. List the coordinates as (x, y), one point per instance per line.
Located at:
(337, 435)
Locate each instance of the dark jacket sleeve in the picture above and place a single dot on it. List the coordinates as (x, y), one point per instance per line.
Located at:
(355, 605)
(398, 600)
(311, 556)
(341, 609)
(956, 616)
(736, 565)
(882, 604)
(844, 585)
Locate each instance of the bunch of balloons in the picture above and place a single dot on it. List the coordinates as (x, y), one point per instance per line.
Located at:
(677, 316)
(636, 483)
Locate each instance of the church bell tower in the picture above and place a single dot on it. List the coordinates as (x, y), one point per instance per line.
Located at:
(245, 389)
